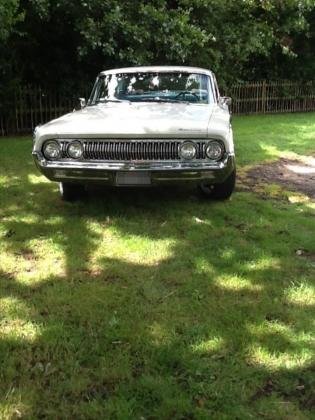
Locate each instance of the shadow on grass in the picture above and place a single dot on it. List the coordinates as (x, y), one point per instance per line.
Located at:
(185, 315)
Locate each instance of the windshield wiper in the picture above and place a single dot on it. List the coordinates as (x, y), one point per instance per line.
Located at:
(104, 101)
(162, 100)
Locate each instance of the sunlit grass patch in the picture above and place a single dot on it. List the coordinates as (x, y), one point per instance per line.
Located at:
(11, 307)
(134, 249)
(203, 265)
(279, 346)
(131, 248)
(263, 263)
(300, 293)
(19, 329)
(15, 322)
(274, 191)
(297, 198)
(237, 283)
(11, 405)
(210, 346)
(270, 150)
(37, 179)
(4, 180)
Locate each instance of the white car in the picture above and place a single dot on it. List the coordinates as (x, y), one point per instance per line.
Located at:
(143, 126)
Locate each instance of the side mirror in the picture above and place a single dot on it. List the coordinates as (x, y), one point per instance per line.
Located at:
(226, 100)
(80, 103)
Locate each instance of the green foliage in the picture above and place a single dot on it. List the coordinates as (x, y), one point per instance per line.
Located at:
(65, 43)
(141, 33)
(9, 16)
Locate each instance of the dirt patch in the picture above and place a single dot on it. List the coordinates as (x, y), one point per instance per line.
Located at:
(265, 391)
(304, 253)
(292, 174)
(298, 391)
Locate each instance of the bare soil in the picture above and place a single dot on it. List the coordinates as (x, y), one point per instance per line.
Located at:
(292, 174)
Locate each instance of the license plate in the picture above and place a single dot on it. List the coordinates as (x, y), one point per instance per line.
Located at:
(133, 178)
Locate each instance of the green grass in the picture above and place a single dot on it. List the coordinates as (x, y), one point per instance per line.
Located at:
(260, 138)
(157, 304)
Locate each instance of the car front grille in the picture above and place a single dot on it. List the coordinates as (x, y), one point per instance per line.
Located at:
(122, 150)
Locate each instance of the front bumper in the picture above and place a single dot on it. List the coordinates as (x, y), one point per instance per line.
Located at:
(161, 172)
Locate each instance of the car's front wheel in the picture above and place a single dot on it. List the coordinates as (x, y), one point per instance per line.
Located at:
(221, 191)
(71, 192)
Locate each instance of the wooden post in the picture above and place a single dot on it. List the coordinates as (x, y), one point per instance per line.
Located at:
(16, 112)
(263, 97)
(40, 106)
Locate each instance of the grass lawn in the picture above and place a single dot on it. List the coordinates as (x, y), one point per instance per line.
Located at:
(153, 304)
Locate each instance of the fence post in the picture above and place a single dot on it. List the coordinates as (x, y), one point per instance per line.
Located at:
(40, 106)
(263, 97)
(2, 123)
(16, 105)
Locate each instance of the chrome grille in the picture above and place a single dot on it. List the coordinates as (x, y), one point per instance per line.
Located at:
(112, 150)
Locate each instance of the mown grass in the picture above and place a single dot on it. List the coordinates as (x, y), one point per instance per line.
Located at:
(156, 303)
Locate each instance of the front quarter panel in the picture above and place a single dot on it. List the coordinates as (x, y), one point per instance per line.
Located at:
(220, 127)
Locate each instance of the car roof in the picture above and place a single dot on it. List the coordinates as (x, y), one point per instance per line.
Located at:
(157, 69)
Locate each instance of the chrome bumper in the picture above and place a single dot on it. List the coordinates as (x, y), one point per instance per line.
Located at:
(160, 171)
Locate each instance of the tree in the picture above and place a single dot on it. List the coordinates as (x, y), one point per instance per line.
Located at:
(64, 43)
(9, 16)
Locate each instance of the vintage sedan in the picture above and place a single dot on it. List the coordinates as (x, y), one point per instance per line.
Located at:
(143, 126)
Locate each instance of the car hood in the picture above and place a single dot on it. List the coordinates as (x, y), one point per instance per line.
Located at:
(132, 119)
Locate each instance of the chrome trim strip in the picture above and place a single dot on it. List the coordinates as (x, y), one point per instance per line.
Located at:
(88, 178)
(183, 178)
(136, 165)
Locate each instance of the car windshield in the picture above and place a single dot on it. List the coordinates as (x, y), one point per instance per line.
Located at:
(152, 87)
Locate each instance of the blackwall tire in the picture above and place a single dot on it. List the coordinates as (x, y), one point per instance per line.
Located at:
(71, 192)
(221, 191)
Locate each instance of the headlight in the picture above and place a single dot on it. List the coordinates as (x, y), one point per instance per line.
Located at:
(52, 150)
(215, 150)
(187, 150)
(75, 150)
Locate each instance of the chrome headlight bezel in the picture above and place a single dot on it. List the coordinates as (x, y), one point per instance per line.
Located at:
(193, 148)
(220, 149)
(57, 149)
(75, 143)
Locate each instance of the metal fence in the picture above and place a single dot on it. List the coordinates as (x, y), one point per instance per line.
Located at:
(31, 106)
